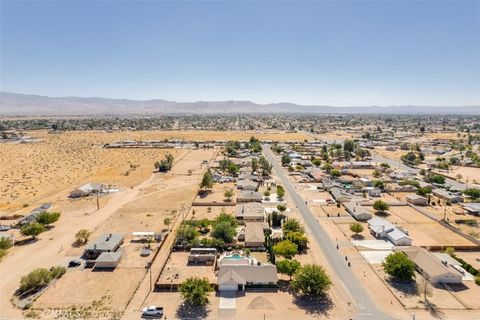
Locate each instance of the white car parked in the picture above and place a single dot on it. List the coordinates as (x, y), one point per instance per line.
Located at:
(152, 311)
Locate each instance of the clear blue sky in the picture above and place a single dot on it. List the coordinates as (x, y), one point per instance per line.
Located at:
(328, 53)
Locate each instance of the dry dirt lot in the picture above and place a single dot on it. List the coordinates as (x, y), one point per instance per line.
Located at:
(204, 212)
(216, 194)
(30, 173)
(472, 174)
(423, 230)
(177, 270)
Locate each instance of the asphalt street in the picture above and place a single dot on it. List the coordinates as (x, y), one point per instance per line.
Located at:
(362, 300)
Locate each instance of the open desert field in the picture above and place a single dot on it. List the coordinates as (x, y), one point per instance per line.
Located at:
(29, 173)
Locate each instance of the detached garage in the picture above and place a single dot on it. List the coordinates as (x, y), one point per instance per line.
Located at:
(108, 260)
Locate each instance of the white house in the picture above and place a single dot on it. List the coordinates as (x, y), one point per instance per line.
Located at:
(381, 228)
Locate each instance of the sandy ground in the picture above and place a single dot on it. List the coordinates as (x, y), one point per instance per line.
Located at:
(423, 230)
(470, 173)
(30, 173)
(141, 208)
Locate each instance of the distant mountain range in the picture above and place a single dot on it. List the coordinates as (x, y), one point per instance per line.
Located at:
(12, 104)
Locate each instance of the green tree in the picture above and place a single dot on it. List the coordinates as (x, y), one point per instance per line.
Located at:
(380, 184)
(438, 179)
(35, 280)
(81, 237)
(232, 168)
(265, 166)
(207, 180)
(298, 238)
(195, 290)
(286, 160)
(47, 218)
(356, 227)
(316, 162)
(32, 229)
(380, 206)
(312, 280)
(281, 207)
(224, 231)
(225, 217)
(399, 266)
(167, 221)
(286, 249)
(349, 145)
(254, 164)
(288, 267)
(292, 225)
(280, 192)
(186, 233)
(228, 194)
(335, 173)
(472, 192)
(5, 243)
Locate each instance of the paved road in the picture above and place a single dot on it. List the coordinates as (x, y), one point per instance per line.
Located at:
(398, 164)
(362, 300)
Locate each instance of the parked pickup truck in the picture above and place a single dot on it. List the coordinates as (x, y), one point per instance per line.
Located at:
(152, 311)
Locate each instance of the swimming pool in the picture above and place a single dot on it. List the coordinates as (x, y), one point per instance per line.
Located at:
(235, 256)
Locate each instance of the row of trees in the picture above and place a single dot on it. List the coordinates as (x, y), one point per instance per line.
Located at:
(41, 224)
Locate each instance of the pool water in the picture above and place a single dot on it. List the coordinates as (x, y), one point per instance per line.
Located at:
(236, 256)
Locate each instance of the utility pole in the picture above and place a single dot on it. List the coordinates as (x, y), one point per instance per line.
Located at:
(98, 203)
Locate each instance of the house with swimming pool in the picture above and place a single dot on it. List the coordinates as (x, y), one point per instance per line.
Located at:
(238, 272)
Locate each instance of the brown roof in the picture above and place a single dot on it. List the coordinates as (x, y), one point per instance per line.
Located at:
(247, 273)
(254, 232)
(251, 209)
(428, 262)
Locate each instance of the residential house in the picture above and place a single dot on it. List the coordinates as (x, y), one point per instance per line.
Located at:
(431, 267)
(340, 195)
(417, 200)
(249, 196)
(472, 208)
(231, 277)
(254, 235)
(105, 243)
(205, 256)
(357, 211)
(108, 260)
(381, 228)
(87, 189)
(447, 195)
(251, 212)
(247, 185)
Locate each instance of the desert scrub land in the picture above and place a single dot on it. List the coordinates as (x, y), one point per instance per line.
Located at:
(31, 172)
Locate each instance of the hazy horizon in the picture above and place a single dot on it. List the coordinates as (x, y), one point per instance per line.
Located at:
(310, 53)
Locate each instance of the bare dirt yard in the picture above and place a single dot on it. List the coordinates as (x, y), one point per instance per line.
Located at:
(423, 230)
